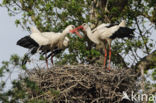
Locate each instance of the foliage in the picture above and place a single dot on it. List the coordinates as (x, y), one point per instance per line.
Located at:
(7, 68)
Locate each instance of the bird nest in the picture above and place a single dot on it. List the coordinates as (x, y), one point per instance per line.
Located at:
(80, 83)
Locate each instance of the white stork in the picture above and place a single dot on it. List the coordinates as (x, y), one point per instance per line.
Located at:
(46, 41)
(107, 32)
(55, 50)
(102, 26)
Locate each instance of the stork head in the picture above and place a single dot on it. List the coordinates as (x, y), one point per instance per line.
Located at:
(85, 26)
(69, 28)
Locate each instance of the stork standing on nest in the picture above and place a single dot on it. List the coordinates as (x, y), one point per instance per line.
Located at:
(106, 33)
(46, 41)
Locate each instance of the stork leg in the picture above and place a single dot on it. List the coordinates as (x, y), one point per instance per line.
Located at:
(105, 54)
(51, 58)
(109, 55)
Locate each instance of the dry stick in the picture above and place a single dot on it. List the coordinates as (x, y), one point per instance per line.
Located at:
(97, 99)
(82, 76)
(143, 82)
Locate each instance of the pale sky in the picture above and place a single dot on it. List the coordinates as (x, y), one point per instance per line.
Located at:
(9, 34)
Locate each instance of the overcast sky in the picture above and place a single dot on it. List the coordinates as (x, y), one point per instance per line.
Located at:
(9, 34)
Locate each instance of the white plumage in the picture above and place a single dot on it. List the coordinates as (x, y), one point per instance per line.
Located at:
(45, 41)
(103, 25)
(34, 30)
(106, 25)
(107, 32)
(57, 38)
(39, 39)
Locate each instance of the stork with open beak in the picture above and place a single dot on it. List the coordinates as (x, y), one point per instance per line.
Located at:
(107, 32)
(45, 41)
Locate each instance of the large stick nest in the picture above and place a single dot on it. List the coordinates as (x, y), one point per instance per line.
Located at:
(81, 83)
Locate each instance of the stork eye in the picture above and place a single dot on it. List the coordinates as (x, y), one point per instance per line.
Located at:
(84, 24)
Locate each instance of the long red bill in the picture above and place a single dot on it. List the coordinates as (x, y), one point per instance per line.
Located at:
(76, 31)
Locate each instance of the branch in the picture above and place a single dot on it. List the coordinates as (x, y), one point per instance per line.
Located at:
(140, 33)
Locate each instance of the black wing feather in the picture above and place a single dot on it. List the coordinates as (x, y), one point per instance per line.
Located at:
(27, 42)
(123, 32)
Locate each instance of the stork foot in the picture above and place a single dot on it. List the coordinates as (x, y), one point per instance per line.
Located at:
(104, 67)
(109, 68)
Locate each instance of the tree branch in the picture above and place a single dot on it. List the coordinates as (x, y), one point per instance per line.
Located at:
(140, 33)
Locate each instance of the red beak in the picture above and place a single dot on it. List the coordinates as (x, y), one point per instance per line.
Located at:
(76, 31)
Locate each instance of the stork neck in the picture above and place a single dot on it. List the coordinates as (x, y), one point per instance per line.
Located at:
(63, 34)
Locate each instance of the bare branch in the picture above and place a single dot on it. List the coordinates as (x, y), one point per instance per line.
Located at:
(140, 32)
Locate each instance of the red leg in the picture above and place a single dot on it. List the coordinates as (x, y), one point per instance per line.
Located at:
(105, 58)
(51, 58)
(105, 54)
(109, 55)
